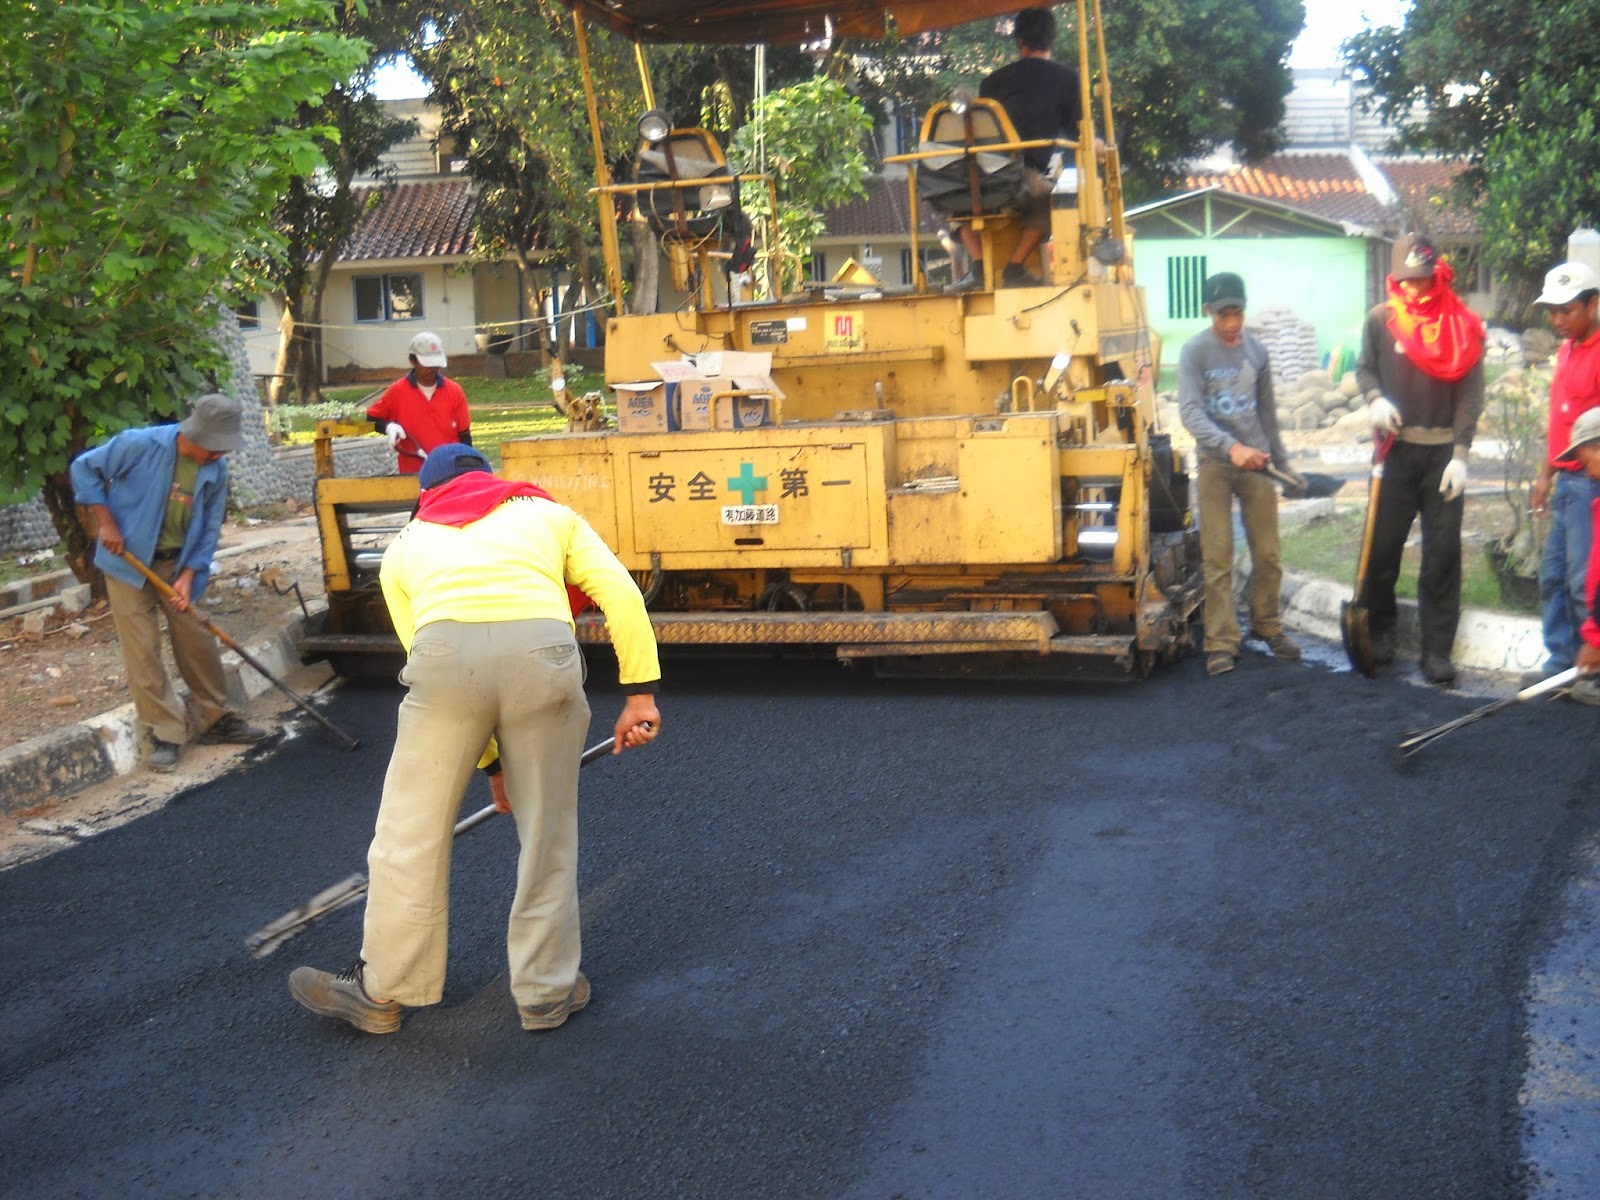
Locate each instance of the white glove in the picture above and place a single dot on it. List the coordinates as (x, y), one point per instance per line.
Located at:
(1454, 481)
(1385, 415)
(396, 433)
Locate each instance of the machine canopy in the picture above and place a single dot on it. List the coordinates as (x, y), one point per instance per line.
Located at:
(741, 22)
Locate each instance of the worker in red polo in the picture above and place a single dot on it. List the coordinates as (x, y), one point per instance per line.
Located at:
(424, 409)
(1563, 489)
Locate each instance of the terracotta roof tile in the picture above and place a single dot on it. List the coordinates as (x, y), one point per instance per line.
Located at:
(1423, 185)
(427, 219)
(1326, 185)
(880, 212)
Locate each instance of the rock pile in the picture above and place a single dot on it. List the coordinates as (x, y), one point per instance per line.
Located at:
(1314, 401)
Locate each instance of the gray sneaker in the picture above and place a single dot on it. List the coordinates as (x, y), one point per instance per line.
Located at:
(163, 756)
(971, 281)
(548, 1016)
(344, 996)
(1586, 690)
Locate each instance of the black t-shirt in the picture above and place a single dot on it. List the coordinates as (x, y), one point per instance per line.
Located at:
(1041, 98)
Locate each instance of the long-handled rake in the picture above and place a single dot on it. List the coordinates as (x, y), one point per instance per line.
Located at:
(347, 891)
(1418, 738)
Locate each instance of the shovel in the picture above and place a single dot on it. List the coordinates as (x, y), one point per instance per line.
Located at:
(1314, 487)
(1418, 738)
(347, 891)
(164, 589)
(1355, 622)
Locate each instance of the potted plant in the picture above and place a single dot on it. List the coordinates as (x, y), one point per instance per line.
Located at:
(500, 339)
(1517, 405)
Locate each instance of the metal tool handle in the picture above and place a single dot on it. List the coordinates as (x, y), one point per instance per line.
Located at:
(165, 588)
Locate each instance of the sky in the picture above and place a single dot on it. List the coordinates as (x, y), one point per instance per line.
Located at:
(1328, 22)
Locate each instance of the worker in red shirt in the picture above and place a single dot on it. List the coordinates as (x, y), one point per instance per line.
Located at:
(424, 409)
(1563, 489)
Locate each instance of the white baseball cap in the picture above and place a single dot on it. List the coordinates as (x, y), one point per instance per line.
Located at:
(1585, 429)
(1565, 283)
(428, 349)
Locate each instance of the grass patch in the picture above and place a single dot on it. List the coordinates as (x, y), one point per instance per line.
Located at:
(1328, 549)
(26, 564)
(491, 425)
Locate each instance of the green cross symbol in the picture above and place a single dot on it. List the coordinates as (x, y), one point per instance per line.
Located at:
(747, 483)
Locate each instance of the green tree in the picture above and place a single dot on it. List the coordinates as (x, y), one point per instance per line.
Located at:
(1513, 88)
(147, 141)
(506, 77)
(796, 120)
(1187, 76)
(317, 213)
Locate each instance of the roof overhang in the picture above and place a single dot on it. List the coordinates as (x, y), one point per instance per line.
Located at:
(1276, 207)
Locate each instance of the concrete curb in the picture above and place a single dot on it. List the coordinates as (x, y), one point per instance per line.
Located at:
(65, 761)
(1485, 641)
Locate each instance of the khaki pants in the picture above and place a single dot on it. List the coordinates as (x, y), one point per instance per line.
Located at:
(521, 680)
(137, 614)
(1220, 482)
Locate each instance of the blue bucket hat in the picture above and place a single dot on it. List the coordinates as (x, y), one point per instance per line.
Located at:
(446, 462)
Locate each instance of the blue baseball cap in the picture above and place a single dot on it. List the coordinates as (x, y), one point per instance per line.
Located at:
(446, 462)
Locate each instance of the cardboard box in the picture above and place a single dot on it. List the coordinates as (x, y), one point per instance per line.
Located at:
(693, 402)
(648, 407)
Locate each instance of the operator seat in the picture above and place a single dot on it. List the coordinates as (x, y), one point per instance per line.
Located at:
(693, 216)
(972, 188)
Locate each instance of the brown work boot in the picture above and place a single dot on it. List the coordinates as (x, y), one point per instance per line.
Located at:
(548, 1016)
(1438, 670)
(344, 996)
(1220, 662)
(1280, 645)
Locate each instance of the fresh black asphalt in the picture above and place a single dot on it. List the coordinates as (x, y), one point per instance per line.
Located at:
(1191, 938)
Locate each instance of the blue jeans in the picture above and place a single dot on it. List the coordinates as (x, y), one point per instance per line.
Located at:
(1565, 566)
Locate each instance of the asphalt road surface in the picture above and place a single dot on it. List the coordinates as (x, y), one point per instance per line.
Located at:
(1187, 939)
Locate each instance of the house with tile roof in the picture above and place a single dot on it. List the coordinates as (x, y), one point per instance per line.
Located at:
(1309, 230)
(410, 265)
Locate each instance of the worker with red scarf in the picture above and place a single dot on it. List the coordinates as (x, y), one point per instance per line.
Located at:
(1421, 370)
(479, 586)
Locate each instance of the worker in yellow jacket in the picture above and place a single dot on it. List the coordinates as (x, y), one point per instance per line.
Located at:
(478, 588)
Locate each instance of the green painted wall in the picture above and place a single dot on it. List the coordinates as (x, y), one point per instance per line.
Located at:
(1323, 279)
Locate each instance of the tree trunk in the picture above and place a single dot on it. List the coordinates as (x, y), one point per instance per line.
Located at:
(75, 540)
(278, 385)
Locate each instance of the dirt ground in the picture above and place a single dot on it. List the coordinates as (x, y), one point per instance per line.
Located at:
(73, 670)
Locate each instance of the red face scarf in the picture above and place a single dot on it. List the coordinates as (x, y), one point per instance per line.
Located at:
(1438, 333)
(471, 497)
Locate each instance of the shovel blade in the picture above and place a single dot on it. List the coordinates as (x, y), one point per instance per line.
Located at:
(1355, 627)
(1319, 486)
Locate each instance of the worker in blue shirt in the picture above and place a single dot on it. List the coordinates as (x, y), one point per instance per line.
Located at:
(160, 493)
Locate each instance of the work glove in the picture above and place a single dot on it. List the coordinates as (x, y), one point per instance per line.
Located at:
(396, 433)
(1385, 416)
(1454, 481)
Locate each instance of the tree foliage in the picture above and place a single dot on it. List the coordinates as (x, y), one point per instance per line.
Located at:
(506, 77)
(795, 121)
(147, 141)
(1187, 76)
(318, 212)
(1512, 87)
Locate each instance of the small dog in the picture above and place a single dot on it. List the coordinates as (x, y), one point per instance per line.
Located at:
(585, 414)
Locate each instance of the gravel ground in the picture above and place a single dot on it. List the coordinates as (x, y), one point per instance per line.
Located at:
(1190, 938)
